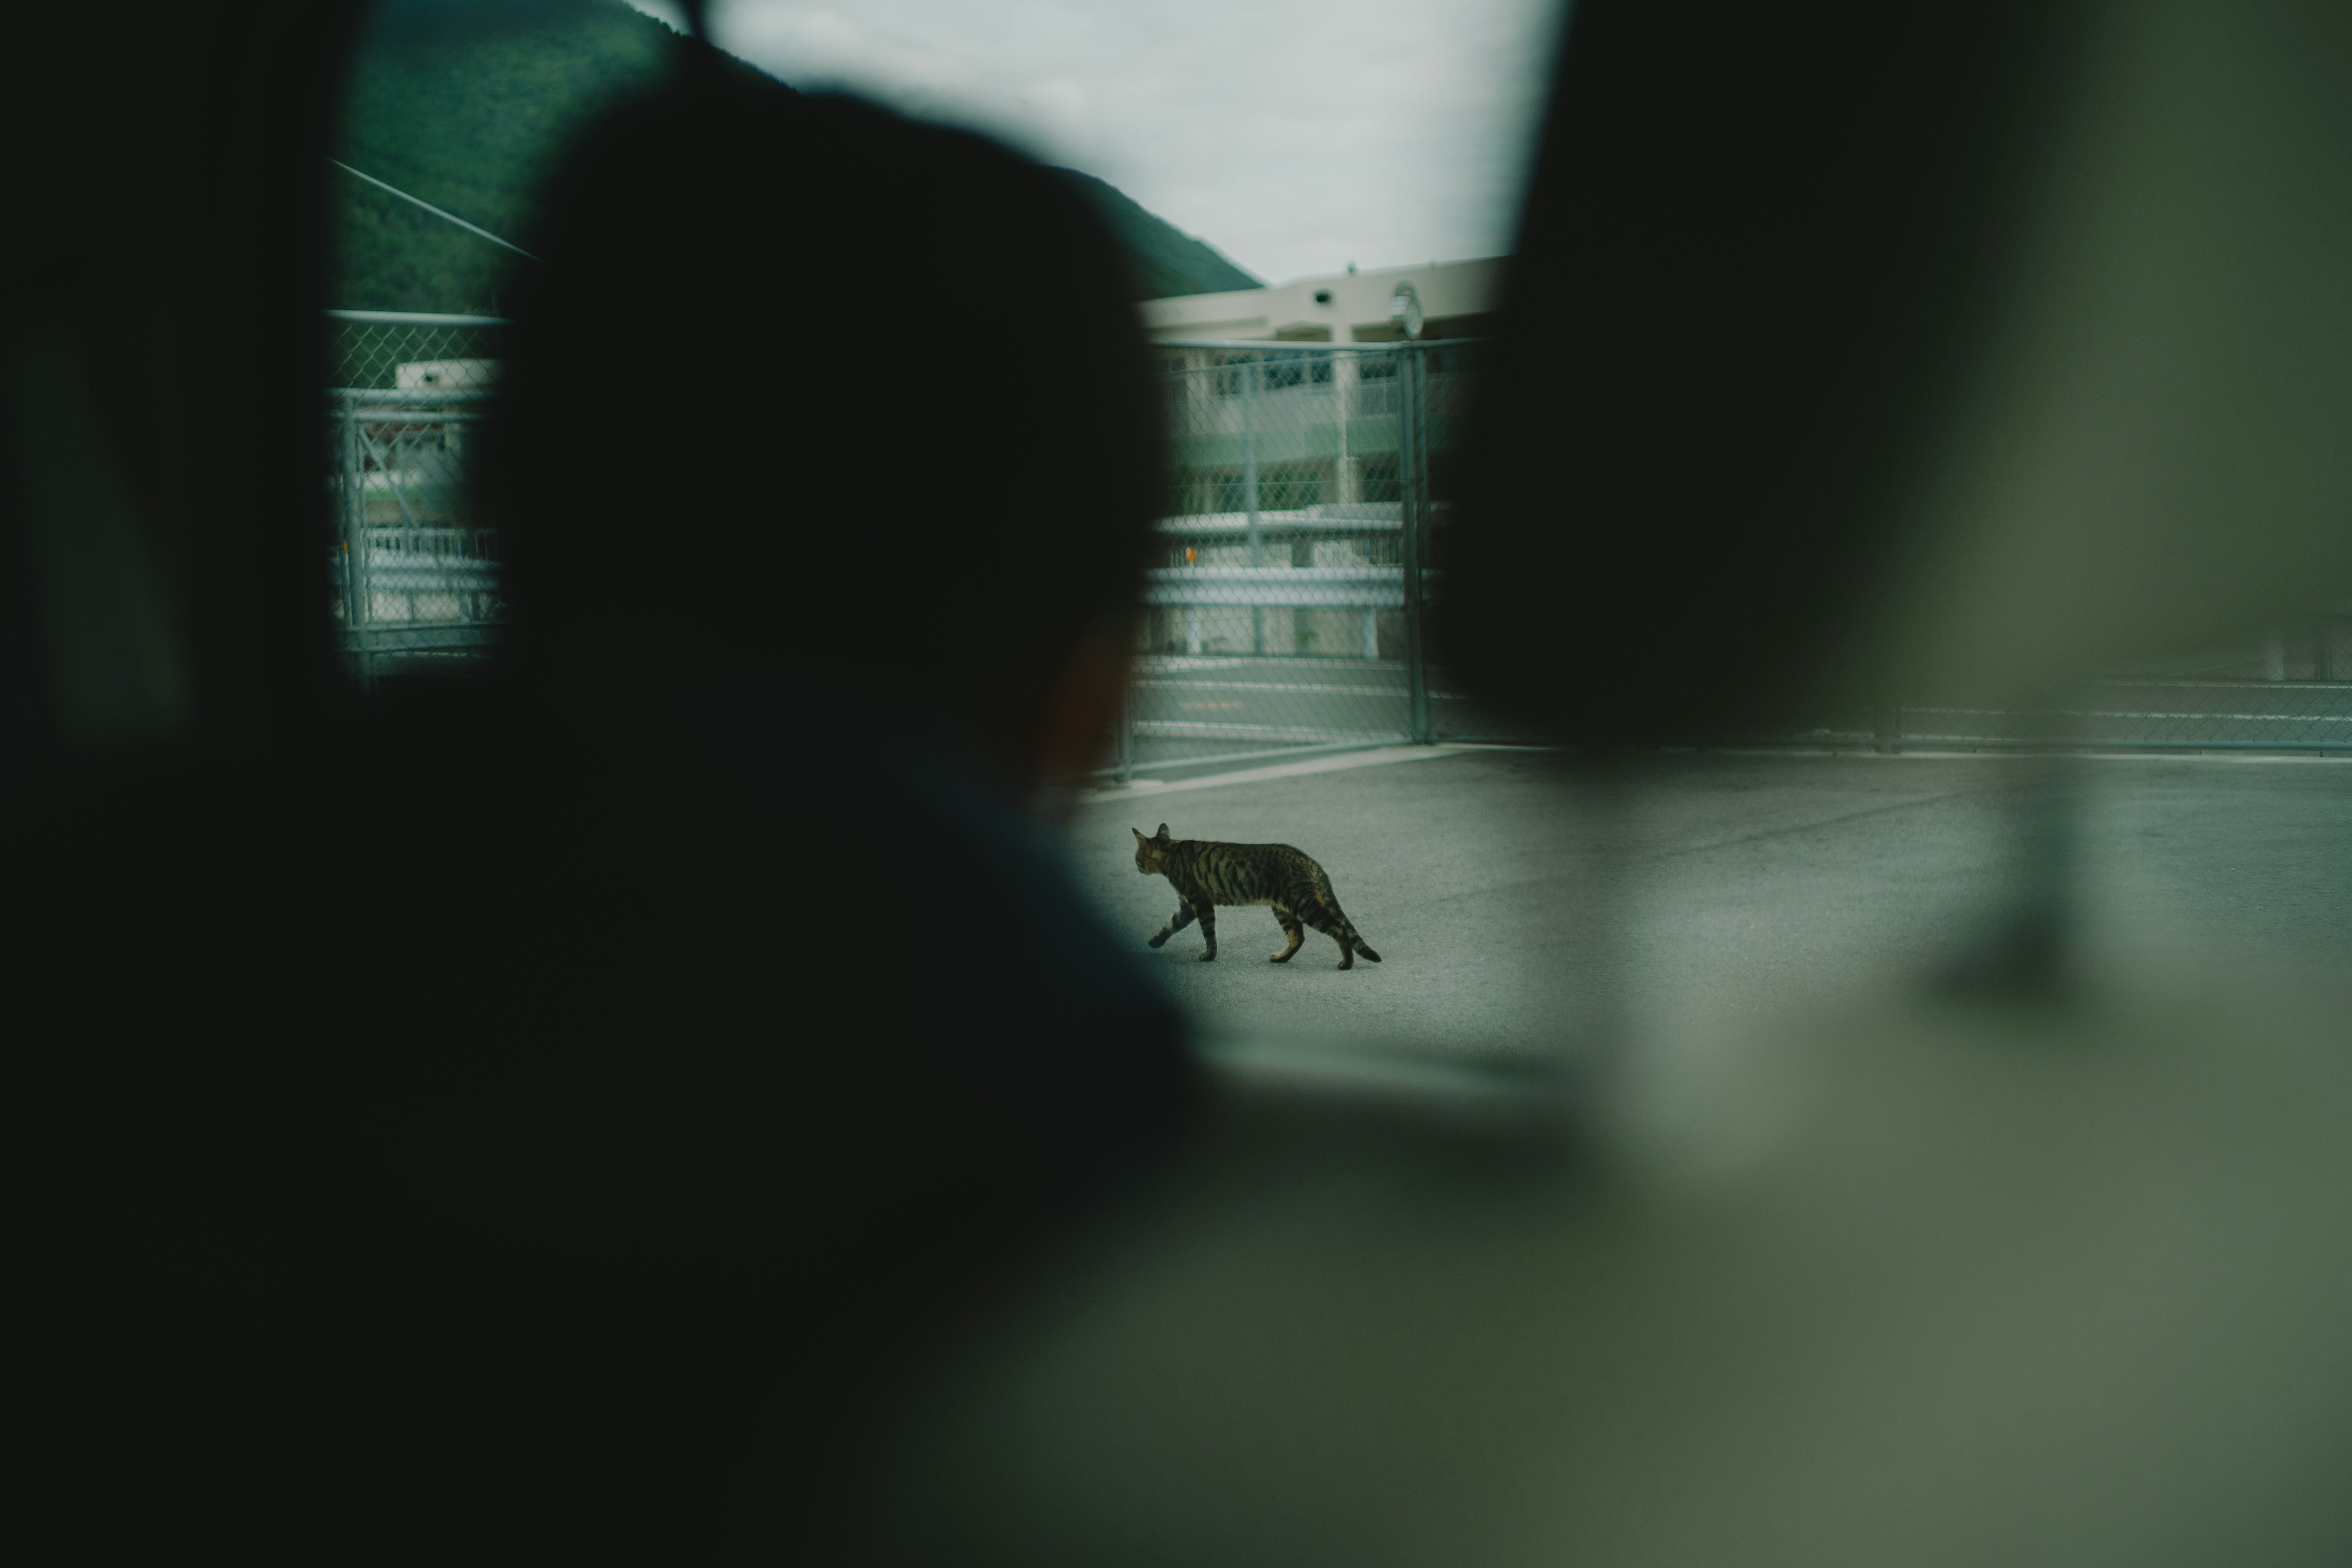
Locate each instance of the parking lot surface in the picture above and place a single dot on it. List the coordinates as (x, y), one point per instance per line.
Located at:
(1509, 901)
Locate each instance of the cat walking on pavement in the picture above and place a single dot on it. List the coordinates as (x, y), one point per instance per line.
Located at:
(1205, 874)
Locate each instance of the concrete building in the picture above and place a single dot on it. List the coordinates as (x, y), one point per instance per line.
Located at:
(1285, 521)
(1457, 299)
(446, 376)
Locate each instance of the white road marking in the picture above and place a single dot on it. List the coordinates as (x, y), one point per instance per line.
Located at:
(1861, 752)
(1381, 756)
(1377, 757)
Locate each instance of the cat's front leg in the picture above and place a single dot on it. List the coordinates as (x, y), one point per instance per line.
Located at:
(1292, 931)
(1208, 931)
(1176, 923)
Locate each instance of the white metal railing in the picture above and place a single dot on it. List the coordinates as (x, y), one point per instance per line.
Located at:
(1281, 587)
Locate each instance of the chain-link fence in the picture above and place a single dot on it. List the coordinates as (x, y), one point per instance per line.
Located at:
(1312, 490)
(1313, 485)
(415, 577)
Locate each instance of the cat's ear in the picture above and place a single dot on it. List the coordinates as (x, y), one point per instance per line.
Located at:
(1163, 834)
(1139, 839)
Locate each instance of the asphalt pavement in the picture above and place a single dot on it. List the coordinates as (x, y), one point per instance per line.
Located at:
(1215, 705)
(1514, 902)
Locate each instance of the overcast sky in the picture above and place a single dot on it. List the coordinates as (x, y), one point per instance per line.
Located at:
(1294, 135)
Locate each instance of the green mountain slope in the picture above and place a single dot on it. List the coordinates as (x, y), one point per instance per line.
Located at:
(465, 107)
(465, 103)
(1166, 261)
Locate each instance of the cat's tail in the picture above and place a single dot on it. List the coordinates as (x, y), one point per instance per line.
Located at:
(1342, 926)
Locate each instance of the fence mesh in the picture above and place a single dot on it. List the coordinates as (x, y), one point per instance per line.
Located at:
(1315, 488)
(1313, 485)
(415, 576)
(1313, 491)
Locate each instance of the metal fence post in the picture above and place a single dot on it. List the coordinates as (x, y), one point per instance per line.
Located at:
(1413, 494)
(1346, 378)
(1126, 754)
(1249, 490)
(358, 594)
(1343, 389)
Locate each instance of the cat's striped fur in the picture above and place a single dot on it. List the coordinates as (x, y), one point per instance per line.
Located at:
(1205, 874)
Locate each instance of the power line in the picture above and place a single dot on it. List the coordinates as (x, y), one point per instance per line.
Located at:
(436, 212)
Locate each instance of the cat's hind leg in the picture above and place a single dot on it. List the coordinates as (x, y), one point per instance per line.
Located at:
(1176, 923)
(1208, 930)
(1326, 918)
(1292, 931)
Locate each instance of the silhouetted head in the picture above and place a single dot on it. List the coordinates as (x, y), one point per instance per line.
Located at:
(802, 395)
(1151, 853)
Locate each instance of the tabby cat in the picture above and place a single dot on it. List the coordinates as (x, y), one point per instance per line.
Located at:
(1206, 874)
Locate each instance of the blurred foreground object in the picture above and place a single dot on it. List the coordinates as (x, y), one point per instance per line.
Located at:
(519, 1118)
(1858, 351)
(1907, 1282)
